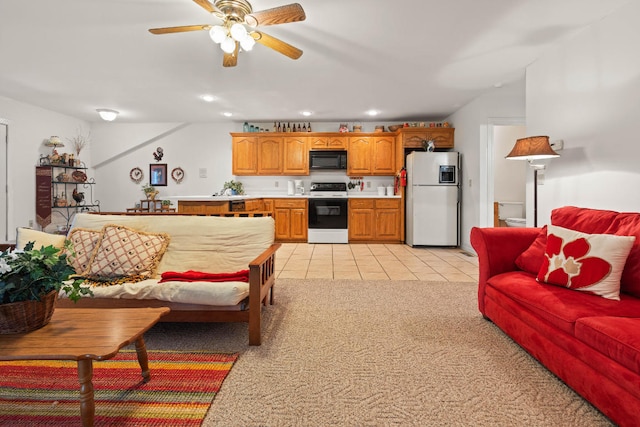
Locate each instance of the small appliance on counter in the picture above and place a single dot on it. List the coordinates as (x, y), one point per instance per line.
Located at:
(299, 187)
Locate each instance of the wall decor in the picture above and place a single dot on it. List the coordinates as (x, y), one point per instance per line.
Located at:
(158, 174)
(177, 174)
(158, 154)
(136, 175)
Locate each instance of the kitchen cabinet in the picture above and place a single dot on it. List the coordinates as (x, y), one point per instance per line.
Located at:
(328, 142)
(376, 220)
(359, 156)
(296, 155)
(371, 155)
(270, 155)
(201, 207)
(253, 205)
(244, 155)
(414, 137)
(291, 217)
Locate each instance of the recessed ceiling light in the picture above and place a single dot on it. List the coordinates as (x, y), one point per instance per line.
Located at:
(227, 114)
(373, 112)
(498, 85)
(307, 113)
(208, 98)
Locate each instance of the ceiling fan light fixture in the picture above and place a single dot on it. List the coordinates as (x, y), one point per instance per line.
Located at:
(218, 33)
(247, 43)
(238, 31)
(228, 45)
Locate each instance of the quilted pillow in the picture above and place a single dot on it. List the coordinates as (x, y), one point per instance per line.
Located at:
(531, 259)
(590, 263)
(124, 252)
(83, 242)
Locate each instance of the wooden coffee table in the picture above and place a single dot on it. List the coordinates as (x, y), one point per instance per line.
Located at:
(85, 335)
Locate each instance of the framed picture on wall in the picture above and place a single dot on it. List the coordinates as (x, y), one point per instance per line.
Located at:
(158, 174)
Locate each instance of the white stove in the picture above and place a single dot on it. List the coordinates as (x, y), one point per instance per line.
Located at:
(328, 216)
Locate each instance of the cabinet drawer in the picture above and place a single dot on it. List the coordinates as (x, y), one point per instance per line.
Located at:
(387, 203)
(361, 203)
(290, 203)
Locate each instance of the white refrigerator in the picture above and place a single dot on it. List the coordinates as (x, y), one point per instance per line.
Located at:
(433, 199)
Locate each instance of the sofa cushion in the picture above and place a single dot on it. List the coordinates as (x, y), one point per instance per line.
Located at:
(590, 263)
(125, 252)
(559, 306)
(83, 243)
(628, 224)
(199, 243)
(531, 259)
(584, 220)
(615, 337)
(40, 239)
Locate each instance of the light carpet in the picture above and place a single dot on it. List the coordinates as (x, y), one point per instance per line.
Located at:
(378, 353)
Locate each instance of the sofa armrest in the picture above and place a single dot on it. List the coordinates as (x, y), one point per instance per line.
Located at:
(497, 250)
(261, 280)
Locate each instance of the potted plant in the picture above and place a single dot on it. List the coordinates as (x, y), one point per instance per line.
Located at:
(234, 186)
(150, 191)
(29, 283)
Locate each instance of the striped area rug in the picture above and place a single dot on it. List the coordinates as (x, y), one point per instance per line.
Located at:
(182, 387)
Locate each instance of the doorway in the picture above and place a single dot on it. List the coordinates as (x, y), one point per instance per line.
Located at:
(494, 137)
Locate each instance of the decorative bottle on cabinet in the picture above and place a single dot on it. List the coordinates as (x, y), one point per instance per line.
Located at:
(245, 127)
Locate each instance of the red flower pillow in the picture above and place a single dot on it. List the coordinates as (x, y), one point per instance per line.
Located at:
(590, 263)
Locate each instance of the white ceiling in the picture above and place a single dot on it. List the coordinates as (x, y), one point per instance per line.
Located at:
(408, 59)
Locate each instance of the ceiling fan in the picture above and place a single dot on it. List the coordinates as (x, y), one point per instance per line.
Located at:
(237, 29)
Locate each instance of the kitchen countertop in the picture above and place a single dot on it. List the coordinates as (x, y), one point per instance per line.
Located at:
(358, 195)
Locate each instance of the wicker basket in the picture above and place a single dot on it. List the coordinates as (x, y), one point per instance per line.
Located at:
(26, 316)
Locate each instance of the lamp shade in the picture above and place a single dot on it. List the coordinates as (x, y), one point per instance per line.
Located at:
(532, 148)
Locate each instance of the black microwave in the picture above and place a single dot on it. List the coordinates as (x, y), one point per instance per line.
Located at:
(327, 159)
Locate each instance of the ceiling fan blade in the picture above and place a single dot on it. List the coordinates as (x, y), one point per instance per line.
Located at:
(182, 29)
(209, 7)
(231, 59)
(276, 44)
(278, 15)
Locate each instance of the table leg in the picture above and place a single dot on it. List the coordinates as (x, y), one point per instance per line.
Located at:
(87, 403)
(143, 360)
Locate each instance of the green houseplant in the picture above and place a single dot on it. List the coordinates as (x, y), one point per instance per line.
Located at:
(150, 191)
(234, 186)
(29, 283)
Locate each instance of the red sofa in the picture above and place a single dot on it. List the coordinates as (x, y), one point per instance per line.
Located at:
(591, 343)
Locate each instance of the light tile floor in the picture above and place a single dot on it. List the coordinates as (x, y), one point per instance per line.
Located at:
(375, 262)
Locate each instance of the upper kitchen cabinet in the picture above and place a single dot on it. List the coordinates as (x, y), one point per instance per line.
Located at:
(245, 155)
(328, 142)
(270, 155)
(415, 137)
(371, 155)
(296, 155)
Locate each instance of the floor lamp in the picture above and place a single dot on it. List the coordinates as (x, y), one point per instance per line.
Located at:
(533, 148)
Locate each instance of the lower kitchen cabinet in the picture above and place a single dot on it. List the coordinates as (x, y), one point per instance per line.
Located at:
(374, 220)
(291, 217)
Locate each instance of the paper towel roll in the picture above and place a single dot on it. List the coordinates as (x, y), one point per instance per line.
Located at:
(290, 188)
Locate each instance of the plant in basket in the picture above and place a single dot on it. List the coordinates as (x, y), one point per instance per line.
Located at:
(29, 283)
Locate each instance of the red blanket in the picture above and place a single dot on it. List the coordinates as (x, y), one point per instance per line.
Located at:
(198, 276)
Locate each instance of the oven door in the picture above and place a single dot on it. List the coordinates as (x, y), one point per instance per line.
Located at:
(328, 213)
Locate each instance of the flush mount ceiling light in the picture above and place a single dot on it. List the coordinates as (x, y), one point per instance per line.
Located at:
(227, 114)
(108, 115)
(306, 113)
(237, 29)
(208, 98)
(373, 112)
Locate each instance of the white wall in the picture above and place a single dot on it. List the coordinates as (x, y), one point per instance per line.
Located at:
(29, 128)
(586, 91)
(472, 124)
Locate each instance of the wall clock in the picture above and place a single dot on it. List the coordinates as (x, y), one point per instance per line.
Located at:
(136, 175)
(177, 174)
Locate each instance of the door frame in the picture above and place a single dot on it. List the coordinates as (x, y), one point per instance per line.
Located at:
(487, 164)
(5, 190)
